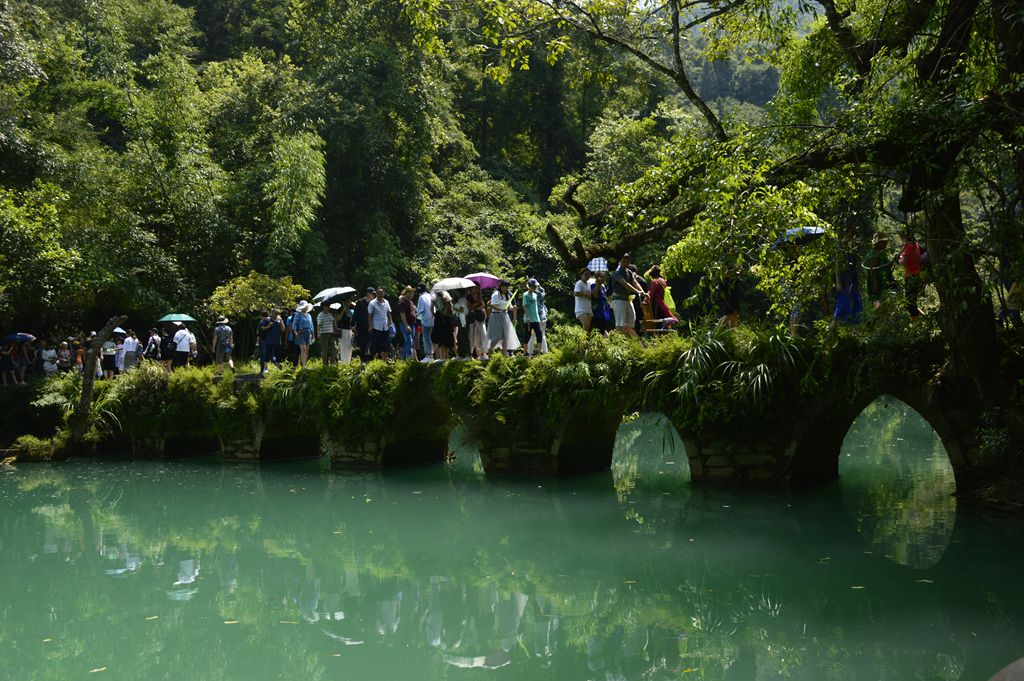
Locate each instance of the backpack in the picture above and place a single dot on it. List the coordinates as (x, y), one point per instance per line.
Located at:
(925, 258)
(167, 347)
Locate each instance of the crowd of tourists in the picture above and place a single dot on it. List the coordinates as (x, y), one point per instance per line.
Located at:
(472, 321)
(423, 324)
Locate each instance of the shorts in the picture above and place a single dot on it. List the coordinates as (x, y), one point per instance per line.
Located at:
(303, 337)
(624, 313)
(108, 362)
(223, 354)
(181, 357)
(581, 315)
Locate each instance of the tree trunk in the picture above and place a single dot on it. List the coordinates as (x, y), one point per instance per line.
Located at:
(79, 421)
(965, 315)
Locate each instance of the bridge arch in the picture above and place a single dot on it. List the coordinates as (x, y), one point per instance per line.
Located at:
(821, 430)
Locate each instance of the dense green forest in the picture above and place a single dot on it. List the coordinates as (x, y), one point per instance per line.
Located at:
(153, 150)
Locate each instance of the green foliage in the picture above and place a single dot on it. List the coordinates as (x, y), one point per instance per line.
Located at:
(32, 448)
(585, 372)
(247, 295)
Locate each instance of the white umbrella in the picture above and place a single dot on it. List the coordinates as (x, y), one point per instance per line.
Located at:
(453, 284)
(333, 291)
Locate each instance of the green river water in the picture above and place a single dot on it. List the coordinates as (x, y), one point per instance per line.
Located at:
(196, 570)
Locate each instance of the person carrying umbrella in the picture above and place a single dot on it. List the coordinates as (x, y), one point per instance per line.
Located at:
(182, 346)
(500, 330)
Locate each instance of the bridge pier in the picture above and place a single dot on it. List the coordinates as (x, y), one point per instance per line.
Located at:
(580, 442)
(388, 449)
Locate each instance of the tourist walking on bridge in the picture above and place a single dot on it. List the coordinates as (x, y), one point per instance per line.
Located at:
(533, 301)
(302, 328)
(361, 323)
(581, 294)
(913, 284)
(379, 325)
(500, 329)
(600, 306)
(131, 347)
(270, 333)
(223, 343)
(344, 333)
(408, 320)
(624, 286)
(477, 320)
(182, 346)
(424, 308)
(325, 328)
(151, 351)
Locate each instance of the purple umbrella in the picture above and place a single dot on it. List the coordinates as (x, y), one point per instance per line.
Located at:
(484, 280)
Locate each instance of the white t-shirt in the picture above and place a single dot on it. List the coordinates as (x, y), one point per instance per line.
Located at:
(583, 305)
(131, 344)
(183, 340)
(499, 303)
(49, 358)
(378, 311)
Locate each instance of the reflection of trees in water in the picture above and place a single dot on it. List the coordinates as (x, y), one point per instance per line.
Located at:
(494, 576)
(651, 471)
(898, 484)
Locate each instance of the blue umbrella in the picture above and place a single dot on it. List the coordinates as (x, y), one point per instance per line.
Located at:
(798, 236)
(19, 338)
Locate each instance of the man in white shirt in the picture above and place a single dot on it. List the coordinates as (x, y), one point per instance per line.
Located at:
(182, 346)
(581, 294)
(424, 308)
(379, 322)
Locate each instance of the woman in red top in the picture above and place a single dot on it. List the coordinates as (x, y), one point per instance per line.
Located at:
(913, 285)
(656, 289)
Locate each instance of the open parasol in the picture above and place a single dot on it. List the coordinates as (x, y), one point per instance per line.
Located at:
(798, 236)
(484, 280)
(453, 284)
(175, 317)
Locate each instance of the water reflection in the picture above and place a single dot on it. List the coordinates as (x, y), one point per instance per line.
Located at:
(178, 571)
(898, 485)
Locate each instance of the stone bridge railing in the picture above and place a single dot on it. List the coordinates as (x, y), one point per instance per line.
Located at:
(751, 408)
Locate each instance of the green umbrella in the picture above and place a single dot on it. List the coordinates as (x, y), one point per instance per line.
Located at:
(175, 317)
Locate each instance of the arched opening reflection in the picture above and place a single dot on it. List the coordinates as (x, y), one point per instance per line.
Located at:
(650, 469)
(897, 483)
(464, 456)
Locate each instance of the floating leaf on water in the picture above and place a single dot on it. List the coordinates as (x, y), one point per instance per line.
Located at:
(152, 617)
(230, 621)
(924, 581)
(98, 669)
(287, 622)
(630, 581)
(47, 640)
(858, 586)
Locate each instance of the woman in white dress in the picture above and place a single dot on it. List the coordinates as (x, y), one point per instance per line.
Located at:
(500, 330)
